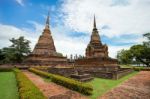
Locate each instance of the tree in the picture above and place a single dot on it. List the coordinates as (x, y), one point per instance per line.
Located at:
(140, 52)
(17, 51)
(147, 49)
(9, 55)
(147, 35)
(2, 56)
(124, 56)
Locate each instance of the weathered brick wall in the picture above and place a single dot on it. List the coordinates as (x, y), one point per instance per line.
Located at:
(106, 72)
(122, 73)
(62, 71)
(96, 62)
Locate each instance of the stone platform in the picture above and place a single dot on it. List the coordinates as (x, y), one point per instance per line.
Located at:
(82, 77)
(100, 72)
(96, 62)
(106, 72)
(46, 60)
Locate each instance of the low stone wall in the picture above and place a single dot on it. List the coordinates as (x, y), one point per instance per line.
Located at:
(62, 71)
(100, 68)
(121, 73)
(108, 73)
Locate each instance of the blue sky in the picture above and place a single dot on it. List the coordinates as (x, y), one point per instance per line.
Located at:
(121, 23)
(13, 13)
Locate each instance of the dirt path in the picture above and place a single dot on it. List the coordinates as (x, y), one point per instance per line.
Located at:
(52, 90)
(137, 87)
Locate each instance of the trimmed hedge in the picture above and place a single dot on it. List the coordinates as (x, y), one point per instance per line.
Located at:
(141, 69)
(27, 90)
(66, 82)
(5, 69)
(43, 68)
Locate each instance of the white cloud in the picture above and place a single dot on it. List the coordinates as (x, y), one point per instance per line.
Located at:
(20, 2)
(133, 17)
(9, 31)
(114, 49)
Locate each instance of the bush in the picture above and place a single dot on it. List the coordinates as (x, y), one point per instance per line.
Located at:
(27, 90)
(43, 68)
(66, 82)
(141, 69)
(2, 69)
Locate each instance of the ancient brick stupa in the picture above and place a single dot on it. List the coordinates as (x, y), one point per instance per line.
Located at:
(95, 47)
(44, 52)
(96, 52)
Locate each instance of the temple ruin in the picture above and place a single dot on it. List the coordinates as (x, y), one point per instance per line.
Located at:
(44, 52)
(96, 62)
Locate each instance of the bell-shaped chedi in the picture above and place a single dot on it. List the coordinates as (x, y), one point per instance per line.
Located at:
(96, 52)
(44, 52)
(45, 45)
(95, 47)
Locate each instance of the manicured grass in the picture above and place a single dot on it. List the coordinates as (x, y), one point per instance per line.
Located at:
(8, 86)
(101, 86)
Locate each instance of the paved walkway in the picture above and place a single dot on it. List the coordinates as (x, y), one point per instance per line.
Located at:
(137, 87)
(52, 90)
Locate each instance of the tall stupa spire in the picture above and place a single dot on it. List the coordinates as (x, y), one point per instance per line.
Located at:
(47, 22)
(95, 36)
(94, 25)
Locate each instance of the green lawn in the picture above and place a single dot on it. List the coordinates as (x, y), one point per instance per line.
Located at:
(101, 86)
(8, 86)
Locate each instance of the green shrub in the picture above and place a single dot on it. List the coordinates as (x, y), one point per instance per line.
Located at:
(141, 68)
(66, 82)
(27, 90)
(41, 67)
(5, 69)
(41, 73)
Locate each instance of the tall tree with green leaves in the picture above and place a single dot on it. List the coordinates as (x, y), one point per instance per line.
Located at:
(2, 57)
(21, 48)
(17, 51)
(140, 52)
(147, 43)
(124, 56)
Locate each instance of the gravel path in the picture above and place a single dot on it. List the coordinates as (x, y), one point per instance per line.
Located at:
(137, 87)
(52, 90)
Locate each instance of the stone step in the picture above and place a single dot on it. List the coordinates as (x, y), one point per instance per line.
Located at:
(80, 76)
(86, 79)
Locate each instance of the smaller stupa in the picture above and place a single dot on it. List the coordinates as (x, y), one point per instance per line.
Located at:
(95, 47)
(96, 53)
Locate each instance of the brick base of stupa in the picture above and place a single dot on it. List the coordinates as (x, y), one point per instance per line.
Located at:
(38, 60)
